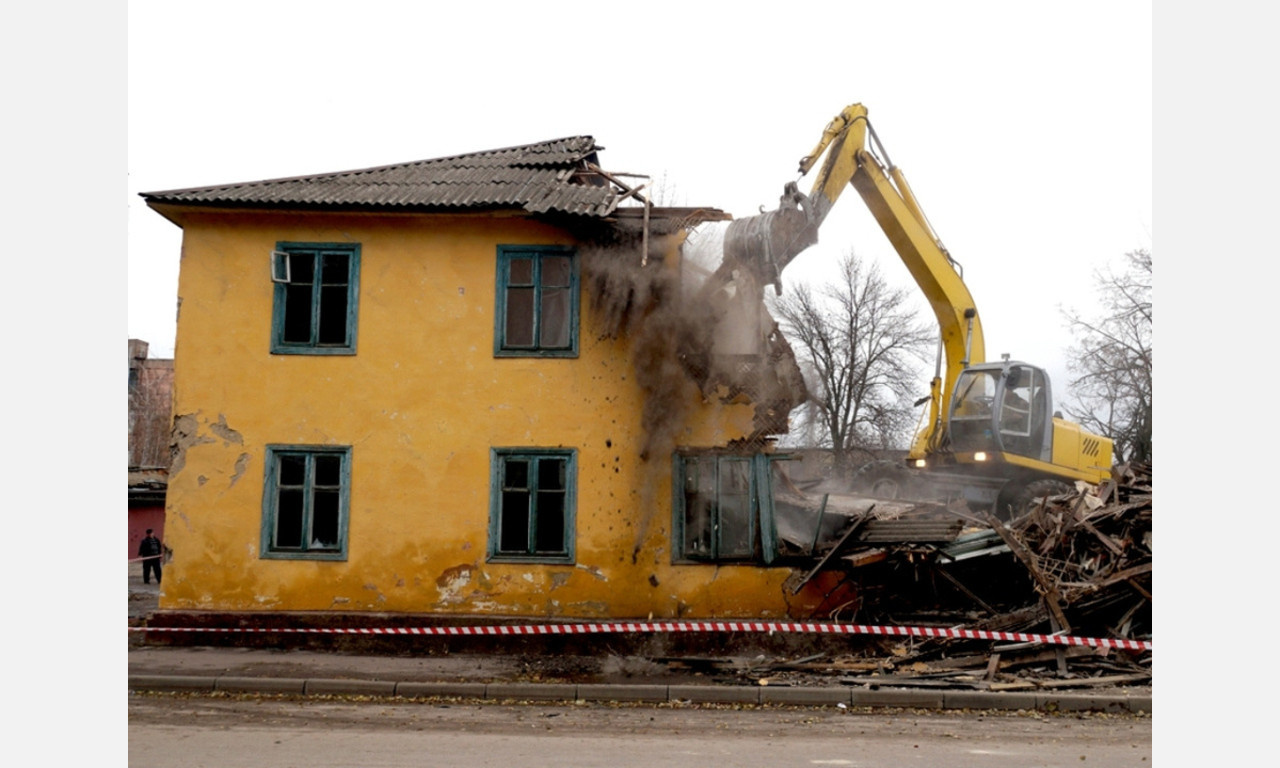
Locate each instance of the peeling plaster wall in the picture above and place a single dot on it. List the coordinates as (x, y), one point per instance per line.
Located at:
(421, 404)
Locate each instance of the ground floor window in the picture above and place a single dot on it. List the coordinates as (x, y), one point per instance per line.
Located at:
(305, 502)
(532, 503)
(723, 507)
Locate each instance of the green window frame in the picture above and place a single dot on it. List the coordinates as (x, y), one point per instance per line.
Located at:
(306, 502)
(315, 304)
(722, 507)
(533, 499)
(537, 302)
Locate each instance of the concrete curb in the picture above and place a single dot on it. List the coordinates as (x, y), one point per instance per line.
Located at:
(260, 684)
(441, 690)
(350, 687)
(655, 694)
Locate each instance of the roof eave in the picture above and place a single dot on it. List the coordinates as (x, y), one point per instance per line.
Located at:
(176, 212)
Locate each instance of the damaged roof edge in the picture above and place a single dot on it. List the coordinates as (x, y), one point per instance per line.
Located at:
(661, 220)
(557, 177)
(446, 160)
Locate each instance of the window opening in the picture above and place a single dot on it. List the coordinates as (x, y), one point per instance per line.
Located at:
(305, 501)
(533, 500)
(724, 507)
(316, 286)
(537, 302)
(1024, 412)
(971, 425)
(1020, 391)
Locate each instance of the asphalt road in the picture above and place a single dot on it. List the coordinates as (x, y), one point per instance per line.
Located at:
(251, 731)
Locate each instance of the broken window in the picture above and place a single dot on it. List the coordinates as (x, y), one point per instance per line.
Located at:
(537, 302)
(724, 510)
(532, 505)
(315, 298)
(305, 502)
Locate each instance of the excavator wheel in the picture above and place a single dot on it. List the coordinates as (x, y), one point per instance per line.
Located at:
(1026, 497)
(882, 479)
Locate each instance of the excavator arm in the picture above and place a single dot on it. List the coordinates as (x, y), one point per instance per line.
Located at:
(765, 244)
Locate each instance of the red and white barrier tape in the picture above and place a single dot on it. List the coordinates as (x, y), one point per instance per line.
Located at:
(682, 626)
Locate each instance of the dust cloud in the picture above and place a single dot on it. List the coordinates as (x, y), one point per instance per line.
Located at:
(699, 334)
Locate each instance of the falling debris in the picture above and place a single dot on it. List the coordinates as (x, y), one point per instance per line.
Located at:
(694, 339)
(693, 331)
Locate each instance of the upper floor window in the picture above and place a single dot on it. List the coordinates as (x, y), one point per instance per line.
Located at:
(305, 501)
(316, 292)
(537, 302)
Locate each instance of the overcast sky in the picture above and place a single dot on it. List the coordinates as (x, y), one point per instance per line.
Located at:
(1024, 128)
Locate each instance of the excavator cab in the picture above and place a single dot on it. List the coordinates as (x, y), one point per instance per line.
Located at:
(1002, 408)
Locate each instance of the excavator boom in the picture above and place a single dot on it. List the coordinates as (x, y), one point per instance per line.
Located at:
(768, 242)
(996, 437)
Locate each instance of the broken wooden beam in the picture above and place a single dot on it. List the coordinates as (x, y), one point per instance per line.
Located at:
(964, 590)
(857, 525)
(1053, 601)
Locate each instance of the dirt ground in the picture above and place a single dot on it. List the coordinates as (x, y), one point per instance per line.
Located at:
(144, 599)
(411, 665)
(408, 666)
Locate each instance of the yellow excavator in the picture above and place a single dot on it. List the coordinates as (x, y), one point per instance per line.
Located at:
(990, 436)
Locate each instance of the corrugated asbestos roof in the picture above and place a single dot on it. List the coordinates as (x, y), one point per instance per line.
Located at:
(550, 176)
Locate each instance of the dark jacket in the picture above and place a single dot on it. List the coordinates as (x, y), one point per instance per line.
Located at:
(150, 547)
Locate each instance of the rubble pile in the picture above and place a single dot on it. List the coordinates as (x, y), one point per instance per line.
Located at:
(1089, 554)
(1077, 564)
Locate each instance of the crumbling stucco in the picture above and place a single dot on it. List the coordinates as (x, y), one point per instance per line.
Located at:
(242, 463)
(594, 571)
(452, 582)
(227, 434)
(186, 435)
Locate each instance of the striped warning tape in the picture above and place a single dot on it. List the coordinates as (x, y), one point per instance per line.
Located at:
(683, 626)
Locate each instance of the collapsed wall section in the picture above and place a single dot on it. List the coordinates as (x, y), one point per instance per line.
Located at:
(692, 329)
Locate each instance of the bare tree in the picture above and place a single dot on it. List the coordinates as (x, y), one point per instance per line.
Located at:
(1111, 360)
(859, 342)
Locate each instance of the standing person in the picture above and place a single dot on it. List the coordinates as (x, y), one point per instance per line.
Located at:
(150, 551)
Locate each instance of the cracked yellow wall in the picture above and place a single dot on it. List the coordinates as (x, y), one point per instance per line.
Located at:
(421, 404)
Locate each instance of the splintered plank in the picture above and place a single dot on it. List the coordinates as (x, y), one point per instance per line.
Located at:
(993, 666)
(1053, 600)
(1094, 682)
(853, 529)
(1128, 574)
(965, 590)
(1106, 540)
(867, 557)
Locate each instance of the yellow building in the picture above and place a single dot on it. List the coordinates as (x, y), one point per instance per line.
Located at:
(477, 385)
